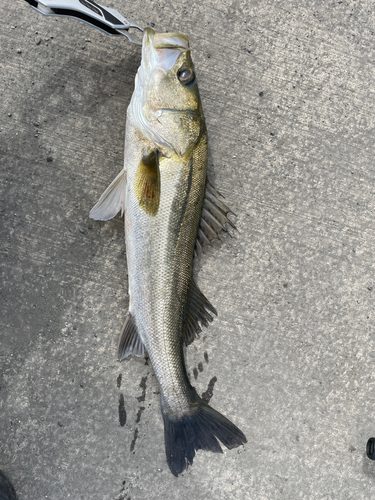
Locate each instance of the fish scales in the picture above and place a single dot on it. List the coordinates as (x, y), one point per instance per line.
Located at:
(161, 193)
(159, 253)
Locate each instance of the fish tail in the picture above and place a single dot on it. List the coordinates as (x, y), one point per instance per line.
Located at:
(199, 431)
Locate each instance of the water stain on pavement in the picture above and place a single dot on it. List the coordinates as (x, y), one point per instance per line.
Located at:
(139, 414)
(124, 493)
(142, 385)
(121, 410)
(134, 440)
(207, 395)
(140, 399)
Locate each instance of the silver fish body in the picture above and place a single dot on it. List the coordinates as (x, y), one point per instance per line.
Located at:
(163, 193)
(160, 257)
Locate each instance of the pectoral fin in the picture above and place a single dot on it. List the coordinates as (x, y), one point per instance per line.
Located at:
(112, 200)
(147, 183)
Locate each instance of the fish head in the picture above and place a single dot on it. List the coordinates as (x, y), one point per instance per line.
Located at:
(166, 105)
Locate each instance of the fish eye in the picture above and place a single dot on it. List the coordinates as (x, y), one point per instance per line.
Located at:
(186, 76)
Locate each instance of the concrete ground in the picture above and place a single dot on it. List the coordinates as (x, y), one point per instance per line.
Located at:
(288, 94)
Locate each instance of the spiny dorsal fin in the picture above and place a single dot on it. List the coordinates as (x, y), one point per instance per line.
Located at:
(195, 312)
(147, 183)
(130, 342)
(112, 200)
(214, 218)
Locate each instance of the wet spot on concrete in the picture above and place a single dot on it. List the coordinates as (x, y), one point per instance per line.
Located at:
(195, 372)
(139, 414)
(123, 497)
(119, 378)
(124, 493)
(142, 385)
(207, 395)
(134, 440)
(200, 367)
(121, 410)
(206, 356)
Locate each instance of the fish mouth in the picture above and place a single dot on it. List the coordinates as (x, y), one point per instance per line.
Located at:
(161, 50)
(165, 40)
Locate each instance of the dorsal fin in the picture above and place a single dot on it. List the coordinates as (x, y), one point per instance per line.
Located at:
(214, 218)
(130, 343)
(195, 312)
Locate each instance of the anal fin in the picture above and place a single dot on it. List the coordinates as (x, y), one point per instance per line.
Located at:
(195, 312)
(130, 343)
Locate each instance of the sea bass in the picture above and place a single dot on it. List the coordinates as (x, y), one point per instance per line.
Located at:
(171, 211)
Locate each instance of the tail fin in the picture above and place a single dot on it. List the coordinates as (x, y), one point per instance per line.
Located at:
(200, 431)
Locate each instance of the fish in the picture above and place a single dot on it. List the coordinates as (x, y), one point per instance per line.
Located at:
(170, 213)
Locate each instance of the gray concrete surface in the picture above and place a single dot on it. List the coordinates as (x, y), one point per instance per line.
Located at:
(288, 94)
